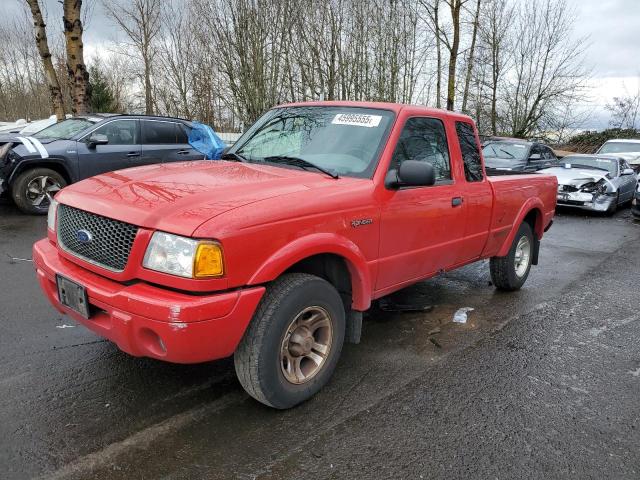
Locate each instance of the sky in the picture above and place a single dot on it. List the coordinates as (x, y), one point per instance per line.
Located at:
(612, 48)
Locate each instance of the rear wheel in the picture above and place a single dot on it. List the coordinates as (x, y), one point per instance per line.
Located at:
(509, 273)
(33, 190)
(293, 343)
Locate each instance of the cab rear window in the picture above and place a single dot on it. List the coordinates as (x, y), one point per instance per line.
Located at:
(470, 152)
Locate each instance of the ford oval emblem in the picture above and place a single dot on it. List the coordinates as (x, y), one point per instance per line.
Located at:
(84, 236)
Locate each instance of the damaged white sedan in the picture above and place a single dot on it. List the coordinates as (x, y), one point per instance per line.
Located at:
(599, 183)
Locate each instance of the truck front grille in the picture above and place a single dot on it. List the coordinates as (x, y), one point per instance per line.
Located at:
(94, 238)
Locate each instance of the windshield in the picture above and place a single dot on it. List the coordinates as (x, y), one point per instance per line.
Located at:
(505, 150)
(620, 147)
(577, 161)
(65, 129)
(341, 140)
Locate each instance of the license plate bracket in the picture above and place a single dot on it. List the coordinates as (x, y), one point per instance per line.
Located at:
(73, 295)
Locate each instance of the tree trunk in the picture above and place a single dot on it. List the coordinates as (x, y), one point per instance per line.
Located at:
(55, 92)
(467, 80)
(439, 54)
(453, 57)
(76, 69)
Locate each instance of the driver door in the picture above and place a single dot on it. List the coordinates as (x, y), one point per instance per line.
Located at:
(123, 149)
(421, 227)
(627, 182)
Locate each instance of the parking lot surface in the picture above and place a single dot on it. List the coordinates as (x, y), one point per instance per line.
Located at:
(541, 383)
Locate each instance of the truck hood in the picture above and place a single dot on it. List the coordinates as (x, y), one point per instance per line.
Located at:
(179, 197)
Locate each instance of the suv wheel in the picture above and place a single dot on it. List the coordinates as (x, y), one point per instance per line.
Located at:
(510, 272)
(33, 190)
(293, 343)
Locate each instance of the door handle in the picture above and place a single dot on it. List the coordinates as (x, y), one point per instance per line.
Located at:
(456, 201)
(133, 154)
(184, 152)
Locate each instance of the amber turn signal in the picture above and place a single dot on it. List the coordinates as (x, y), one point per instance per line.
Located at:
(208, 261)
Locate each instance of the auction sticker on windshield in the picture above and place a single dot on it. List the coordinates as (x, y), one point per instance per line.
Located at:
(357, 119)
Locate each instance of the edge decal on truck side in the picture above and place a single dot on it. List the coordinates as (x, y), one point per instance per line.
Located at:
(361, 221)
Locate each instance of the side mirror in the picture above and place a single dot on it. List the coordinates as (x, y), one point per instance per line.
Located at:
(97, 139)
(411, 173)
(627, 171)
(535, 156)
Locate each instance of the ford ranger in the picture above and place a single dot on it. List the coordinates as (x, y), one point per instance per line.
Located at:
(272, 253)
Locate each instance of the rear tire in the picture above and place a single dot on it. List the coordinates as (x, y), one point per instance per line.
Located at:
(33, 190)
(293, 342)
(509, 273)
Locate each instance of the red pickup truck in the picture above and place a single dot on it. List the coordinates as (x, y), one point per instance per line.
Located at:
(272, 253)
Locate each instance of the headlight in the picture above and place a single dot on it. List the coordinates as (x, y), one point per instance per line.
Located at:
(51, 215)
(595, 187)
(183, 256)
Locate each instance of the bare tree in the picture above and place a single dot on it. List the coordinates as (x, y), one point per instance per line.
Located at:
(625, 110)
(454, 6)
(140, 21)
(494, 35)
(470, 58)
(548, 65)
(76, 68)
(57, 101)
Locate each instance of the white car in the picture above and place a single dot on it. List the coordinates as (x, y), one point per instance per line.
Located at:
(626, 148)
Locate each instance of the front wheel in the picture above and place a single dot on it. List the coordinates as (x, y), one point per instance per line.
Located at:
(509, 273)
(33, 190)
(614, 206)
(293, 343)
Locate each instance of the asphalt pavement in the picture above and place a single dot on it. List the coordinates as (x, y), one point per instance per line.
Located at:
(540, 383)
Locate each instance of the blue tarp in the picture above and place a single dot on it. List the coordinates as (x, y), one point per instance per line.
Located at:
(205, 140)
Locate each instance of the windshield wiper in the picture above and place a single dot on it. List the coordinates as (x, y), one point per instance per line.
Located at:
(508, 153)
(299, 162)
(236, 157)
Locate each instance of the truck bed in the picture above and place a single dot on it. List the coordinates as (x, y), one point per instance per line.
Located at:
(512, 194)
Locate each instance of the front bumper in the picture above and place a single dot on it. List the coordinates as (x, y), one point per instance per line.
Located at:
(149, 321)
(586, 201)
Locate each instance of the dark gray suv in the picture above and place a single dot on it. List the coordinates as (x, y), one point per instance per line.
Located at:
(33, 168)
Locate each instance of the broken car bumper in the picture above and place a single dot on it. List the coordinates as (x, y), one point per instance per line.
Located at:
(150, 321)
(587, 201)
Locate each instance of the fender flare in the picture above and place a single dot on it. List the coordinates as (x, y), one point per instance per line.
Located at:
(532, 204)
(29, 163)
(317, 244)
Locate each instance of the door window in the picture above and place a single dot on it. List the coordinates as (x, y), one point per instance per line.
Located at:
(424, 139)
(159, 133)
(470, 152)
(548, 154)
(183, 134)
(119, 132)
(535, 150)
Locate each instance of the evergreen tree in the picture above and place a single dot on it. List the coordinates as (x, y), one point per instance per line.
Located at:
(102, 98)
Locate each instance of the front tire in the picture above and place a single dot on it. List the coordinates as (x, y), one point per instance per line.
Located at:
(614, 206)
(293, 342)
(33, 190)
(509, 273)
